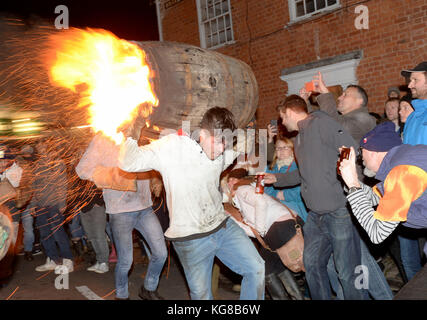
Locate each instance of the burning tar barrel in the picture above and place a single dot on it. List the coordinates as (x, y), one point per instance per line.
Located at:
(189, 80)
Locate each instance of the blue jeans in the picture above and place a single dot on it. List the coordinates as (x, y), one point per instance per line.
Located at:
(27, 223)
(146, 222)
(93, 223)
(50, 223)
(410, 255)
(378, 287)
(234, 248)
(325, 234)
(75, 227)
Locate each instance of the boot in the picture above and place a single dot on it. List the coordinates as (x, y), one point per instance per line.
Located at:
(144, 294)
(275, 287)
(291, 285)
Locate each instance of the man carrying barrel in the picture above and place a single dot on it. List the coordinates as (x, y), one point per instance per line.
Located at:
(199, 227)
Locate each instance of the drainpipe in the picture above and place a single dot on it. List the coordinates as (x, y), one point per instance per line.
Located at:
(159, 20)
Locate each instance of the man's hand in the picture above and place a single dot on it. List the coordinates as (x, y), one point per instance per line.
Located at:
(271, 132)
(348, 170)
(269, 178)
(319, 85)
(133, 128)
(303, 93)
(156, 186)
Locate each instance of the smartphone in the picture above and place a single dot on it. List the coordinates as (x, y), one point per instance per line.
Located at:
(273, 123)
(309, 86)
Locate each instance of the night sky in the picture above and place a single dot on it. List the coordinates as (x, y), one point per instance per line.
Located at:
(128, 19)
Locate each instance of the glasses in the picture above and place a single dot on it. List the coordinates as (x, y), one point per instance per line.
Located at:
(283, 148)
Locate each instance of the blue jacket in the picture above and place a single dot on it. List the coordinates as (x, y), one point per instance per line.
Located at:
(415, 131)
(292, 195)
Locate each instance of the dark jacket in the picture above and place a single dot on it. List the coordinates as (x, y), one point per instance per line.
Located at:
(317, 151)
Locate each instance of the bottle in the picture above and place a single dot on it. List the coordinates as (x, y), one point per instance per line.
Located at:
(345, 154)
(259, 188)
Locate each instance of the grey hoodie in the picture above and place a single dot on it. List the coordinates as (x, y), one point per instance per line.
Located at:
(317, 151)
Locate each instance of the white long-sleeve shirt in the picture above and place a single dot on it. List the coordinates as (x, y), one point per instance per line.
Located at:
(259, 211)
(190, 178)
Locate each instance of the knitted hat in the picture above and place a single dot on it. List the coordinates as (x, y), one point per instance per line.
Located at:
(393, 89)
(382, 138)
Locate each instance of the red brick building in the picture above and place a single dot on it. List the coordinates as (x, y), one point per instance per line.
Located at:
(286, 41)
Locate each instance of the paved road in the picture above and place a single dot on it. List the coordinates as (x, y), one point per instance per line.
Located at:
(28, 284)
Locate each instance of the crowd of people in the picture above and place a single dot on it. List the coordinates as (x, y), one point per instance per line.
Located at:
(214, 211)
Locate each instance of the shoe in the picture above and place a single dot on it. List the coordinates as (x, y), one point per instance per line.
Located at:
(144, 294)
(36, 251)
(69, 264)
(94, 267)
(49, 265)
(28, 256)
(102, 268)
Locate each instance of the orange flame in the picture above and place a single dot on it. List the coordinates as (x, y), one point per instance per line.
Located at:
(110, 74)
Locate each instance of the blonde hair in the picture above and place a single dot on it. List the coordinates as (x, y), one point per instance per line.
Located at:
(288, 142)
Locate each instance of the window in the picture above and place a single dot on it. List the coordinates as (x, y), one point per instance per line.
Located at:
(301, 9)
(215, 24)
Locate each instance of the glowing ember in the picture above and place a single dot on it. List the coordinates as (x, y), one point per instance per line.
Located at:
(110, 74)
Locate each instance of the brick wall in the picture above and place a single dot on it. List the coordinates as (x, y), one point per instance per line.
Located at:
(396, 39)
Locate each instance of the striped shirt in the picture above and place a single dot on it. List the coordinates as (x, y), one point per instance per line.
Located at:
(362, 203)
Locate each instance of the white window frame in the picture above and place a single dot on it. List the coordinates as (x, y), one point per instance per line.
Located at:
(293, 10)
(203, 42)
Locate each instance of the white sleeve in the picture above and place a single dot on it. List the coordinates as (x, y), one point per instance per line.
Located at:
(133, 158)
(260, 214)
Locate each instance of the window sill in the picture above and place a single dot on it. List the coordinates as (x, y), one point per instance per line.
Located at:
(221, 45)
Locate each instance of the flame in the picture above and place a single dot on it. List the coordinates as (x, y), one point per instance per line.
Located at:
(110, 74)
